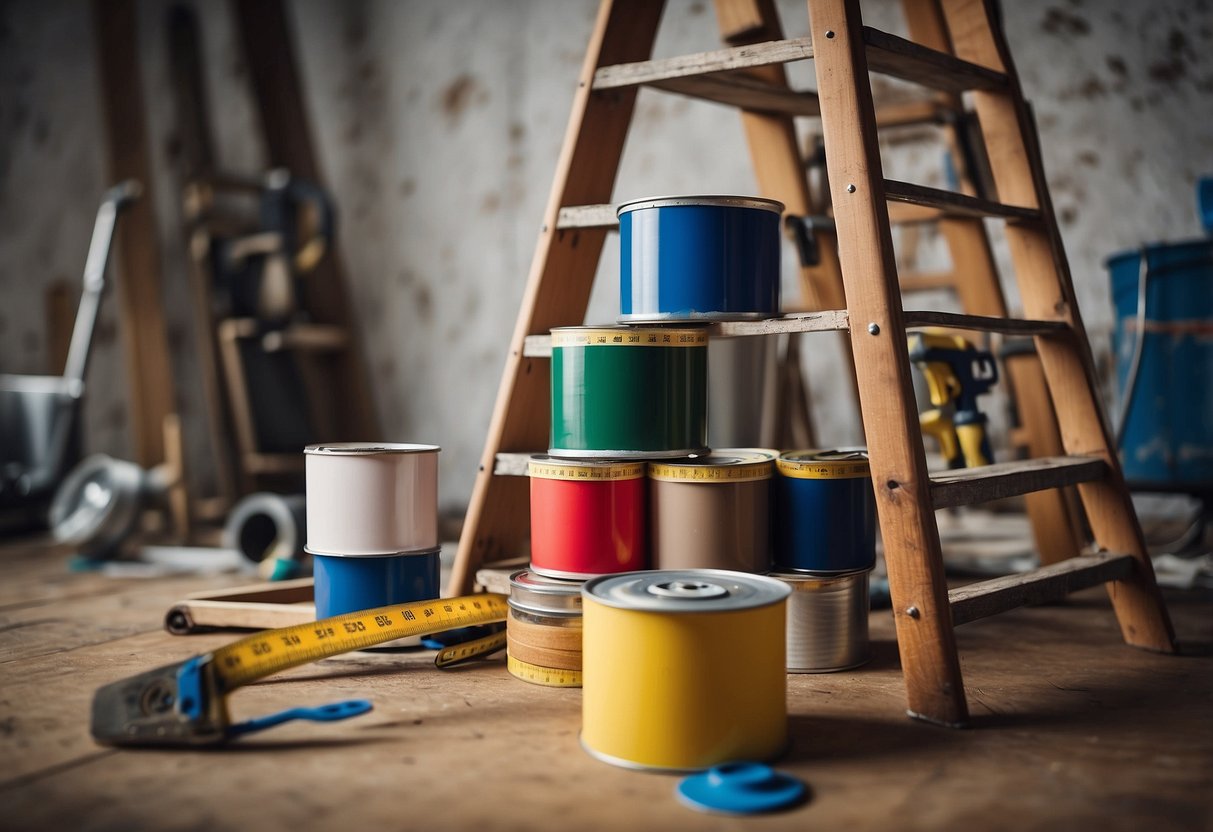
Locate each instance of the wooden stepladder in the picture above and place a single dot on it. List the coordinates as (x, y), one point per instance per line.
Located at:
(576, 223)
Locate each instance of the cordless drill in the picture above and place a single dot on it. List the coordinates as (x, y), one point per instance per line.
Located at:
(957, 373)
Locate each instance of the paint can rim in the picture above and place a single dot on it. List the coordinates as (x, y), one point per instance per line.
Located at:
(700, 201)
(635, 591)
(546, 467)
(721, 465)
(369, 448)
(839, 463)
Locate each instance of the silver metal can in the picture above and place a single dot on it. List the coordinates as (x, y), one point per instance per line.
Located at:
(827, 624)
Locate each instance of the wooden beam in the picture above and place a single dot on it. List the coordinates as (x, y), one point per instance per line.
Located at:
(950, 203)
(149, 374)
(934, 688)
(775, 52)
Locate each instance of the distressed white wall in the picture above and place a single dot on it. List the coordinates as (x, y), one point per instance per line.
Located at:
(439, 124)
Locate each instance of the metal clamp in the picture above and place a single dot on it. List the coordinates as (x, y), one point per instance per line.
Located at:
(804, 230)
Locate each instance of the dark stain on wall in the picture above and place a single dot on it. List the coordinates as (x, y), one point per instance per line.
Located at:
(460, 94)
(1064, 24)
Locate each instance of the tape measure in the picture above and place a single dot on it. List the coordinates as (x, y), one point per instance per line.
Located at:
(551, 677)
(185, 703)
(468, 650)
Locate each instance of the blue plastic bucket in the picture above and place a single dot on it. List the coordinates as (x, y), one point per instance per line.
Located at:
(351, 583)
(825, 512)
(1167, 437)
(699, 258)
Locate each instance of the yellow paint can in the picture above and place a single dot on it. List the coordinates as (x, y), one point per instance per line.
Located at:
(683, 669)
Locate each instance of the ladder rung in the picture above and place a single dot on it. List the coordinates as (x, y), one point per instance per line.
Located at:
(1049, 583)
(910, 113)
(587, 216)
(983, 323)
(901, 58)
(969, 486)
(925, 281)
(950, 203)
(652, 73)
(513, 464)
(738, 90)
(831, 320)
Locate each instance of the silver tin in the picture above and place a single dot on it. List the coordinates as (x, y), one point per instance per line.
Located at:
(539, 595)
(827, 626)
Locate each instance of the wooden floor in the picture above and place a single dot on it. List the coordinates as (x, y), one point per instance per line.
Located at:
(1072, 731)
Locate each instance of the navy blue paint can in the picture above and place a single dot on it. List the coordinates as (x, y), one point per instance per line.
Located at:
(699, 258)
(348, 584)
(825, 512)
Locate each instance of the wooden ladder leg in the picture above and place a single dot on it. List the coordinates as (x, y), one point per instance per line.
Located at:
(1054, 516)
(925, 637)
(558, 288)
(1048, 293)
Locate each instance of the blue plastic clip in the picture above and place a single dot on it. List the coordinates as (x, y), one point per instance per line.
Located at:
(191, 703)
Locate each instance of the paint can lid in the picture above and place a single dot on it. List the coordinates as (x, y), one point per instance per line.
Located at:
(544, 467)
(842, 463)
(814, 581)
(741, 788)
(369, 448)
(722, 465)
(433, 551)
(686, 590)
(628, 336)
(534, 593)
(708, 201)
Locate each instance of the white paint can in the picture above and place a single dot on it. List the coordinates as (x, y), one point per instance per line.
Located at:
(372, 498)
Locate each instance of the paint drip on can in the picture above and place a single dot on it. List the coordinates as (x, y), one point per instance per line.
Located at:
(684, 669)
(628, 392)
(827, 626)
(543, 630)
(587, 517)
(712, 512)
(825, 512)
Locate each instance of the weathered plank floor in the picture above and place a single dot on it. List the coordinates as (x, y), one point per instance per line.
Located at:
(1073, 731)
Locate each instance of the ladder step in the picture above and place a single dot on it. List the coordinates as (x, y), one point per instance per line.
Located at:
(719, 76)
(925, 281)
(901, 58)
(953, 204)
(831, 320)
(911, 113)
(1047, 584)
(513, 464)
(587, 216)
(969, 486)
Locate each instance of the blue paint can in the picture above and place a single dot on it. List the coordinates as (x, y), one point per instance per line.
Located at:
(1164, 363)
(825, 512)
(351, 583)
(699, 258)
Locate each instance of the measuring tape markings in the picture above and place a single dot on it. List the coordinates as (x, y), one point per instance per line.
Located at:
(547, 676)
(262, 654)
(468, 650)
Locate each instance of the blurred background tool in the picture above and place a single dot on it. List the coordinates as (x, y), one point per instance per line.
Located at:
(957, 373)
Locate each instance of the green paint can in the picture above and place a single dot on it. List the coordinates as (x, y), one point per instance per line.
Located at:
(629, 392)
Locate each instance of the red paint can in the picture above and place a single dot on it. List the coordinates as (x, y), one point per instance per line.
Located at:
(587, 517)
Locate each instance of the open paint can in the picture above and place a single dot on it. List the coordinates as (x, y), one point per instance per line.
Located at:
(825, 512)
(689, 258)
(712, 512)
(827, 621)
(345, 583)
(587, 517)
(683, 669)
(628, 392)
(370, 498)
(543, 629)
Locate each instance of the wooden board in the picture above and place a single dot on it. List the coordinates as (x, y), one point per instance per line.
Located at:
(149, 374)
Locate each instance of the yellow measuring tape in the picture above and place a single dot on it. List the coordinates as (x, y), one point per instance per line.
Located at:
(550, 676)
(185, 703)
(271, 651)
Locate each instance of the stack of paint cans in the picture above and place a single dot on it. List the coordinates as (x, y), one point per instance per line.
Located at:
(825, 549)
(624, 396)
(372, 524)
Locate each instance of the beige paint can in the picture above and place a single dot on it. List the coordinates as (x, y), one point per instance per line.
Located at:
(712, 512)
